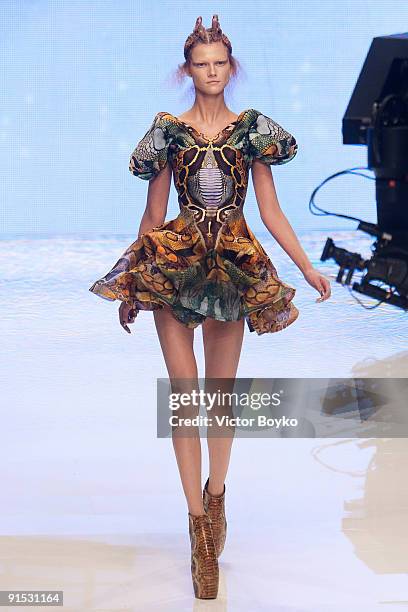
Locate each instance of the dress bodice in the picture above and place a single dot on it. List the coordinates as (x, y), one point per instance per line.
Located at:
(211, 175)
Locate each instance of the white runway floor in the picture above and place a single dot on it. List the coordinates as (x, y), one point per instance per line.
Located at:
(91, 499)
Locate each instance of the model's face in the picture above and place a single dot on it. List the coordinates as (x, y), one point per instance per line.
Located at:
(210, 63)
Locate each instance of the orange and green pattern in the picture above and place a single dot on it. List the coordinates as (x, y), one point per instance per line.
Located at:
(206, 262)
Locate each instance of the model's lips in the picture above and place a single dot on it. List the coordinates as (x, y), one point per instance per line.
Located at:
(209, 82)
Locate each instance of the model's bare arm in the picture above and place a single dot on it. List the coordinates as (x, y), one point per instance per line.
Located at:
(157, 200)
(277, 224)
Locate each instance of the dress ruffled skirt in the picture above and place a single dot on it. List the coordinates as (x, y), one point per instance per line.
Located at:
(170, 265)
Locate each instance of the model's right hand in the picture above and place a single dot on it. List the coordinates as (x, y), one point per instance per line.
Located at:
(127, 314)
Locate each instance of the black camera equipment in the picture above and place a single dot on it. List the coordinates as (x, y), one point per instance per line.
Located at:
(377, 116)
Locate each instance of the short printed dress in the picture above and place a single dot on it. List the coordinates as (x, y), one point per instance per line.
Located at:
(206, 262)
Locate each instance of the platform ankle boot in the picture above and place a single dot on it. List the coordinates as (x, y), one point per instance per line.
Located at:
(214, 505)
(204, 562)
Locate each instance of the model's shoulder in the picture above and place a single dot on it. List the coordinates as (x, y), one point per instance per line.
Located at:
(164, 115)
(159, 119)
(269, 141)
(250, 114)
(150, 154)
(167, 122)
(248, 118)
(253, 114)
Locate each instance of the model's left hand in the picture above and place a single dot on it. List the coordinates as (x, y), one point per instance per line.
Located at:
(319, 282)
(127, 314)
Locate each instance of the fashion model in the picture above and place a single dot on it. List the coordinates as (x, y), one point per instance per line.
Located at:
(206, 266)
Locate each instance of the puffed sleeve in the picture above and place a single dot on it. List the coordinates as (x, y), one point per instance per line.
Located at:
(270, 142)
(150, 155)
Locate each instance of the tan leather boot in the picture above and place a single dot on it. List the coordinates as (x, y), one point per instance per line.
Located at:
(204, 563)
(214, 505)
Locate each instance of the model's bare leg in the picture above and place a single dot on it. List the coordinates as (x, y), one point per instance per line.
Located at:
(176, 341)
(222, 349)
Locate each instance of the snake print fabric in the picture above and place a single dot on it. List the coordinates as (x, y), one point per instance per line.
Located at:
(206, 262)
